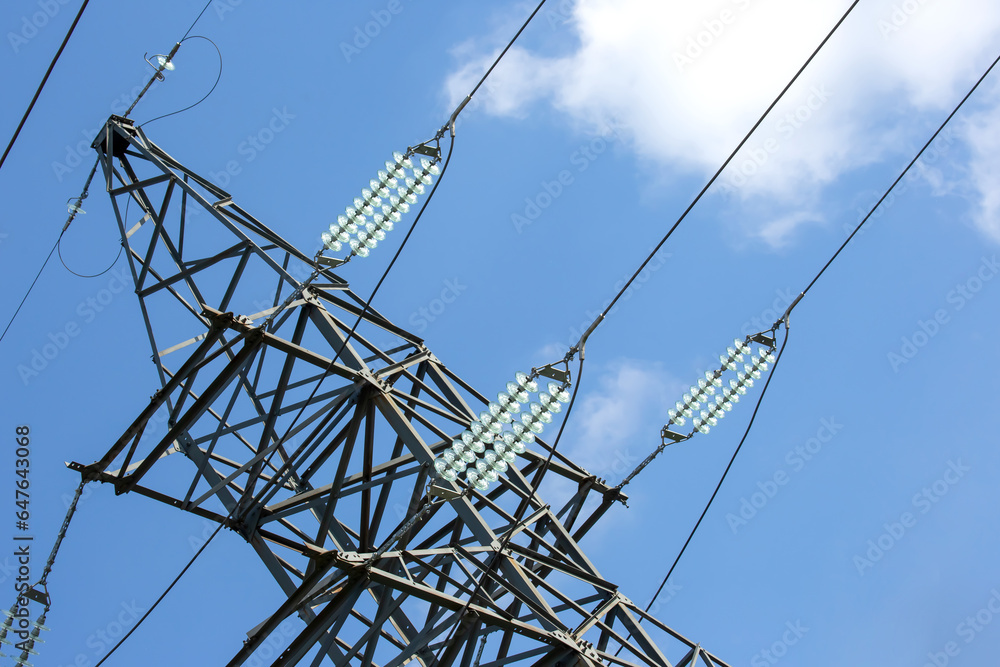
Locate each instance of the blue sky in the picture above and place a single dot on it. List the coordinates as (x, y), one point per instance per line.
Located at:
(588, 141)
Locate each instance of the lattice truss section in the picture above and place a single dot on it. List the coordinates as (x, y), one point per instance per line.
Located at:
(332, 491)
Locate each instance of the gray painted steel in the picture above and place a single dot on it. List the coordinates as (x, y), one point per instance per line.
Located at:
(334, 501)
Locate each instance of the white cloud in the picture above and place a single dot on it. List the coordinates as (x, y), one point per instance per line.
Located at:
(551, 351)
(776, 232)
(686, 80)
(617, 423)
(982, 133)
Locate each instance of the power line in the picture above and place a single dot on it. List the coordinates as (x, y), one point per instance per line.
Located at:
(552, 450)
(45, 78)
(450, 125)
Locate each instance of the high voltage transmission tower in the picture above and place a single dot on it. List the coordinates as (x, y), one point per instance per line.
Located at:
(323, 445)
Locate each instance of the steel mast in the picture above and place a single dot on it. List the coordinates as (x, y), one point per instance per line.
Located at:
(317, 447)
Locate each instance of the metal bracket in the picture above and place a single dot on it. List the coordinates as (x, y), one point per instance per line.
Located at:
(38, 596)
(557, 374)
(332, 262)
(429, 151)
(184, 442)
(667, 434)
(764, 338)
(351, 558)
(118, 144)
(443, 493)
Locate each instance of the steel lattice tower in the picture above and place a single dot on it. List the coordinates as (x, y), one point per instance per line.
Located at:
(332, 491)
